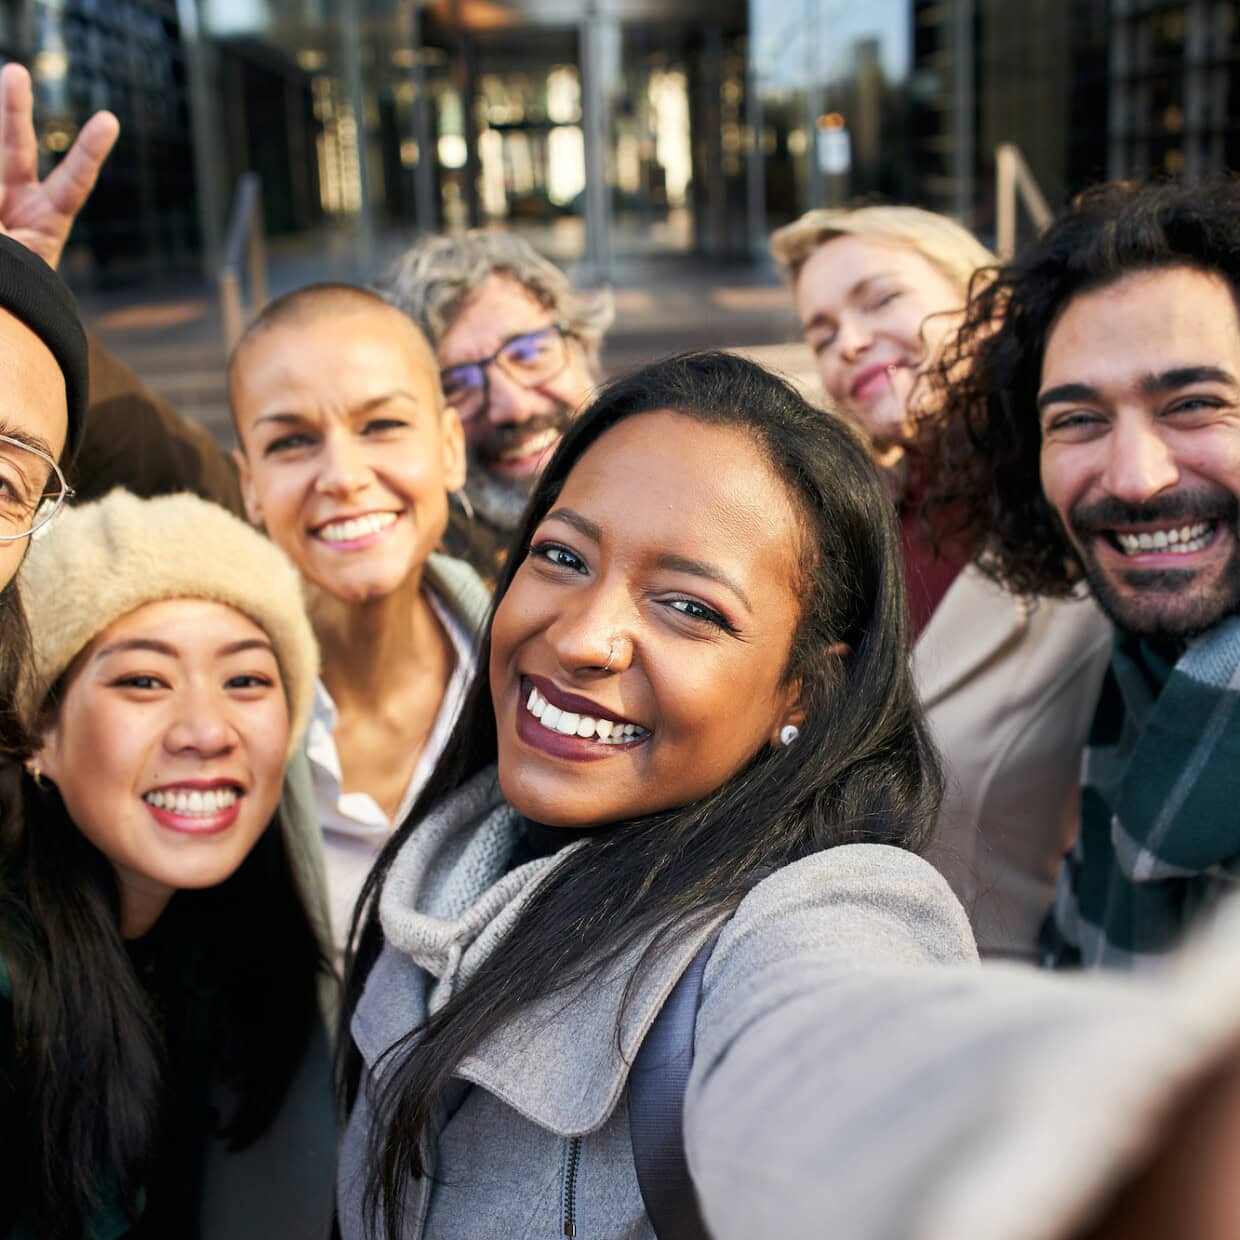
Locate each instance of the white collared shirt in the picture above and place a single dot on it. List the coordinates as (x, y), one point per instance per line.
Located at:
(354, 827)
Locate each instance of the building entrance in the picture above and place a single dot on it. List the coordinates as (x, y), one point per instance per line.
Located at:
(610, 138)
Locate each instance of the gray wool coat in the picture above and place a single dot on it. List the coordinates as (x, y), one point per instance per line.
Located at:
(857, 1073)
(542, 1140)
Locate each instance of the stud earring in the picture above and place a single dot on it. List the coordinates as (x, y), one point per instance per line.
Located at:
(788, 733)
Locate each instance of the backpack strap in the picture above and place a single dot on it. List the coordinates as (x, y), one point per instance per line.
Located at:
(658, 1080)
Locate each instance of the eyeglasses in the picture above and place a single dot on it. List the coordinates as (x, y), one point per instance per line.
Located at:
(32, 489)
(528, 360)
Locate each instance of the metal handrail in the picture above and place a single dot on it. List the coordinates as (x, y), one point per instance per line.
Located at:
(1014, 181)
(246, 245)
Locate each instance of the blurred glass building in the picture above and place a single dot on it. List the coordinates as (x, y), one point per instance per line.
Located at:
(609, 129)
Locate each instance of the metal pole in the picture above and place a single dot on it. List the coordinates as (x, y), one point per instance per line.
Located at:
(594, 123)
(1119, 58)
(755, 167)
(1005, 202)
(424, 170)
(231, 309)
(352, 48)
(257, 255)
(962, 163)
(1195, 119)
(1013, 181)
(716, 189)
(816, 185)
(204, 124)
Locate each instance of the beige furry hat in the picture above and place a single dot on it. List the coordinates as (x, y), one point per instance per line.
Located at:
(100, 561)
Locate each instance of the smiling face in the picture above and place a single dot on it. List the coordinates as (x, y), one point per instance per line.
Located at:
(1140, 415)
(867, 308)
(32, 397)
(168, 748)
(348, 455)
(638, 659)
(514, 435)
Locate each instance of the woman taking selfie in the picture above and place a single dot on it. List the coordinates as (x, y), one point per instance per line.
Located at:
(162, 1059)
(694, 682)
(1008, 684)
(694, 711)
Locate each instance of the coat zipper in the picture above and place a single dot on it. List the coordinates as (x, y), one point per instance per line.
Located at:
(571, 1162)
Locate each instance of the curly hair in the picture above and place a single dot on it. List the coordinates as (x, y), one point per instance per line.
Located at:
(981, 470)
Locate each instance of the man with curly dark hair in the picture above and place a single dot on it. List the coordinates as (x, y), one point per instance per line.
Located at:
(1090, 412)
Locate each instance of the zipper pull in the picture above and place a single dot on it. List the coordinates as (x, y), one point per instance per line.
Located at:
(572, 1160)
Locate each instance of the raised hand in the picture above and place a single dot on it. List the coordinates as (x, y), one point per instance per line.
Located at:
(37, 213)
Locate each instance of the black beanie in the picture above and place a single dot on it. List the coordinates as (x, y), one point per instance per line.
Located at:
(34, 293)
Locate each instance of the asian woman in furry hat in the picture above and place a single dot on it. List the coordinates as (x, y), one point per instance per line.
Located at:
(161, 911)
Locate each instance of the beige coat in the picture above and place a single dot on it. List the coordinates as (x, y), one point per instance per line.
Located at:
(1009, 688)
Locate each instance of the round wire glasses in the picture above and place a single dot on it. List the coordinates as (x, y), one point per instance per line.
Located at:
(32, 488)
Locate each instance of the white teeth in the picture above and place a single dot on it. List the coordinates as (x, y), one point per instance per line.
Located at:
(569, 723)
(193, 801)
(356, 527)
(529, 447)
(1183, 540)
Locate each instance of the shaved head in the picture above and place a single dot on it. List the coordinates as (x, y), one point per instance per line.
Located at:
(346, 304)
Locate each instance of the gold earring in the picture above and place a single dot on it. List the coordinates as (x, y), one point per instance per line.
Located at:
(36, 773)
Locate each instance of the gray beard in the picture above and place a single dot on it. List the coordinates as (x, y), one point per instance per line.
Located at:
(497, 501)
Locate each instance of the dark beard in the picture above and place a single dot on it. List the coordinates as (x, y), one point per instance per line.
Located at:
(1171, 605)
(500, 501)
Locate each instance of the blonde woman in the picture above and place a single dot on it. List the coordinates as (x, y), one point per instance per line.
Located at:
(1007, 682)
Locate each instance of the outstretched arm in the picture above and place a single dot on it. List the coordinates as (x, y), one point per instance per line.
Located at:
(37, 213)
(842, 1086)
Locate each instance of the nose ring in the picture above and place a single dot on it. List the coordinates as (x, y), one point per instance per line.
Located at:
(611, 654)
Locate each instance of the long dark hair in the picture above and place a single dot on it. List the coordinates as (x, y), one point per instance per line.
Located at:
(984, 437)
(861, 770)
(15, 654)
(107, 1063)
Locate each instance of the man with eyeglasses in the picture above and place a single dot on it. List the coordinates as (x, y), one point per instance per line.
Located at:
(43, 382)
(43, 352)
(42, 394)
(518, 353)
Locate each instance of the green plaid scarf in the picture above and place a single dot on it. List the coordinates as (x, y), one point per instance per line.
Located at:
(1159, 842)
